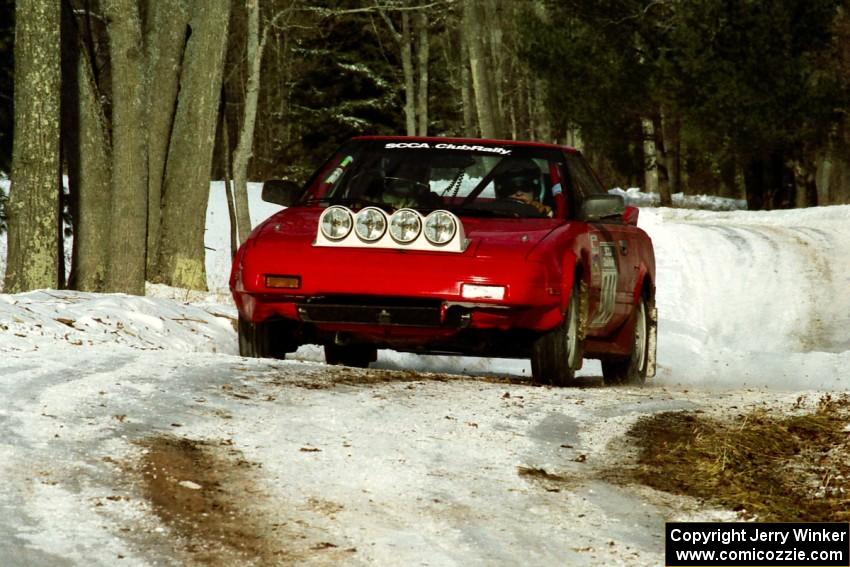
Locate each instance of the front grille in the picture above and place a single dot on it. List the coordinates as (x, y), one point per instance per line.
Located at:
(371, 311)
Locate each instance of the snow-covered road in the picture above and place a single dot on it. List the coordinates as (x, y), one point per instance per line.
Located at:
(375, 467)
(131, 434)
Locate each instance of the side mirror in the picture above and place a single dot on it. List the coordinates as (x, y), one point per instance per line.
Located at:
(630, 215)
(596, 208)
(281, 192)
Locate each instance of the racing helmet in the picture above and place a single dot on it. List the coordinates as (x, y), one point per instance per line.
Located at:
(520, 174)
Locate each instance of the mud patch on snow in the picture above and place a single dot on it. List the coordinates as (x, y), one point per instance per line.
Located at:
(550, 482)
(332, 376)
(207, 495)
(775, 467)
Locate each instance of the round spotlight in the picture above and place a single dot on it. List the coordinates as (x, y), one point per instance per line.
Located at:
(440, 227)
(370, 224)
(405, 226)
(336, 222)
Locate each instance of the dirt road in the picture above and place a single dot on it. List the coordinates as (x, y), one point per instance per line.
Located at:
(156, 458)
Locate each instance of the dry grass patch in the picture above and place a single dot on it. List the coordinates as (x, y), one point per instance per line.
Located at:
(776, 467)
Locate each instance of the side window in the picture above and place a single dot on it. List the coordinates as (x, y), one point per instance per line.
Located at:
(582, 177)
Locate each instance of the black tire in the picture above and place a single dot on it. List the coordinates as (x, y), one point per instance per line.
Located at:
(557, 355)
(269, 339)
(632, 369)
(357, 356)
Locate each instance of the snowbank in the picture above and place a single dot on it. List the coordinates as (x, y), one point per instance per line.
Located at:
(39, 320)
(634, 196)
(753, 298)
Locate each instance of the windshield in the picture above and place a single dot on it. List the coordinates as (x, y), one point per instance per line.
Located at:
(484, 180)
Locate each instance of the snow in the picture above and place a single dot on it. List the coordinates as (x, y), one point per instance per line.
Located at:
(405, 468)
(753, 298)
(39, 320)
(634, 196)
(217, 237)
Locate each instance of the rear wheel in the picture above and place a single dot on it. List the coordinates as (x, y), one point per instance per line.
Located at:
(269, 339)
(631, 369)
(358, 356)
(558, 354)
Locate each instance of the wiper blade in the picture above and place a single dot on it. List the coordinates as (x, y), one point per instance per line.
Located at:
(340, 201)
(474, 211)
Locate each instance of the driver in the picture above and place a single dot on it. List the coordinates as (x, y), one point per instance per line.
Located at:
(520, 181)
(407, 186)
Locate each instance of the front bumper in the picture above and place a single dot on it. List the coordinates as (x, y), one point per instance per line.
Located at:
(392, 288)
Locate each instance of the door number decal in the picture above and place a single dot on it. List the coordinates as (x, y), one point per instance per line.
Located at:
(605, 265)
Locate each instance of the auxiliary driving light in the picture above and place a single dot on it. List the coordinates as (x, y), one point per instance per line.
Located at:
(405, 225)
(440, 227)
(370, 224)
(474, 291)
(336, 222)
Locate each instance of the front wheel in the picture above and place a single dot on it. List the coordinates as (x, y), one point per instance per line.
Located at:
(633, 368)
(269, 339)
(557, 355)
(358, 356)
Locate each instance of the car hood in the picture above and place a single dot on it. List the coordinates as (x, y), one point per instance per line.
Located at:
(488, 237)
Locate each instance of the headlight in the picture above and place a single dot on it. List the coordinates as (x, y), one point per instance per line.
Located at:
(440, 227)
(335, 222)
(370, 224)
(405, 226)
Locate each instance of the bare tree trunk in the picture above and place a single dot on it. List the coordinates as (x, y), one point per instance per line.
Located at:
(466, 88)
(542, 119)
(128, 238)
(493, 16)
(421, 25)
(228, 183)
(86, 148)
(532, 115)
(728, 182)
(34, 198)
(60, 223)
(650, 172)
(409, 79)
(805, 187)
(481, 83)
(671, 126)
(243, 152)
(187, 173)
(169, 24)
(664, 193)
(834, 170)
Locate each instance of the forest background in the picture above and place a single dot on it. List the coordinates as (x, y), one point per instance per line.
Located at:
(141, 102)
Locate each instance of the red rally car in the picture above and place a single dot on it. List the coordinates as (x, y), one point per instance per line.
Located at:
(451, 246)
